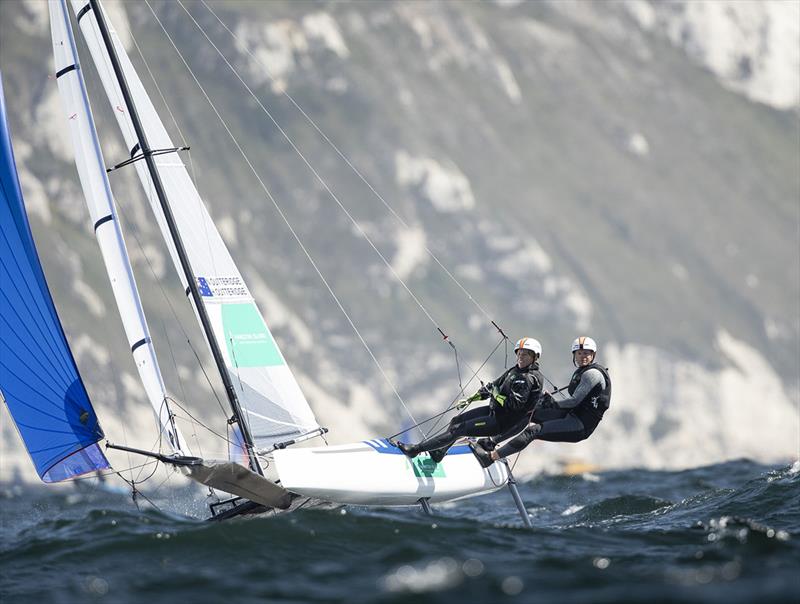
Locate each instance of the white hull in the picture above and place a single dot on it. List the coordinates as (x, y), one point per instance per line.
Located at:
(375, 472)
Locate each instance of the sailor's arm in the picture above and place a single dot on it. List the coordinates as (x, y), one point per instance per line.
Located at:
(589, 380)
(485, 391)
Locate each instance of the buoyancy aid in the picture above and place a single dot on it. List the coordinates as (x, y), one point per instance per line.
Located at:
(591, 409)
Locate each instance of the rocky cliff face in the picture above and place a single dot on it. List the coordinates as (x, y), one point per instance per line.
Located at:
(628, 170)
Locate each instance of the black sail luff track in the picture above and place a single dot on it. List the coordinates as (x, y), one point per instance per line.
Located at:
(176, 238)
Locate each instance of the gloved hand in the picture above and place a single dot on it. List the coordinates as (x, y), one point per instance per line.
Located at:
(463, 403)
(546, 401)
(532, 430)
(484, 391)
(487, 443)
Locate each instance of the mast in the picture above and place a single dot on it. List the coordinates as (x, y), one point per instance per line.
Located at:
(100, 203)
(176, 238)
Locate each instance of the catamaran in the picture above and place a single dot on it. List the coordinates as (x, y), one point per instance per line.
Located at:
(269, 413)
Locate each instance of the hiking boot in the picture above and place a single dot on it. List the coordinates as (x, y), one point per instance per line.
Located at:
(483, 456)
(410, 451)
(437, 455)
(487, 444)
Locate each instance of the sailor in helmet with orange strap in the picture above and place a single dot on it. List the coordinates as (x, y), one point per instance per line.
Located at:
(513, 397)
(569, 420)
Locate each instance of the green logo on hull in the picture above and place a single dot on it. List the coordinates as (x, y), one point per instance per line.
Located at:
(425, 467)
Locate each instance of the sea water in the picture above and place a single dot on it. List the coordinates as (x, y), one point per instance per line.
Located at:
(723, 533)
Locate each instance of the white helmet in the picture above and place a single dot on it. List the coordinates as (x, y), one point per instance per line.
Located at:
(584, 343)
(531, 344)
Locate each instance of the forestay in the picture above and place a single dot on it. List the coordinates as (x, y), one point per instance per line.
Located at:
(274, 406)
(38, 376)
(97, 192)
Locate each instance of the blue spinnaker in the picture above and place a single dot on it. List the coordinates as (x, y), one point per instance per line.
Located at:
(38, 376)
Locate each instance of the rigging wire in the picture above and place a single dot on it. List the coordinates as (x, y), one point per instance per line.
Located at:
(333, 195)
(169, 344)
(112, 472)
(283, 217)
(144, 253)
(356, 171)
(316, 174)
(180, 383)
(125, 439)
(171, 308)
(155, 277)
(180, 132)
(449, 406)
(200, 423)
(136, 492)
(328, 189)
(324, 184)
(157, 443)
(462, 392)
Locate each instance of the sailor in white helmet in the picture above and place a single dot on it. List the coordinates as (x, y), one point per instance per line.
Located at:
(568, 420)
(513, 397)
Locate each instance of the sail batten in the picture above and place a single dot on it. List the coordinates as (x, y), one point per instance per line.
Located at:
(51, 408)
(273, 406)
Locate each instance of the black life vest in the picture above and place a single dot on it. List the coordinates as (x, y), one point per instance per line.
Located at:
(591, 409)
(514, 380)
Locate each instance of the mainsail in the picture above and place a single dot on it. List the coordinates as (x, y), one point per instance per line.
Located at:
(97, 192)
(274, 408)
(38, 376)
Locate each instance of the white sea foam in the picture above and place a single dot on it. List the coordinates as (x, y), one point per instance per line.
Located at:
(573, 509)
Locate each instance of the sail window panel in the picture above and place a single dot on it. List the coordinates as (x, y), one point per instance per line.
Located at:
(85, 461)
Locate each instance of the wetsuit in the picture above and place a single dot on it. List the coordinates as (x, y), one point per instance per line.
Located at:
(518, 391)
(572, 419)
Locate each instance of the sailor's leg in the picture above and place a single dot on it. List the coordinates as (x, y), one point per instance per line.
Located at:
(485, 449)
(509, 430)
(546, 415)
(476, 422)
(517, 444)
(569, 429)
(443, 440)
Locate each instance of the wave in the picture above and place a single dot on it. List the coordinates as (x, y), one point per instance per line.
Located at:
(726, 532)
